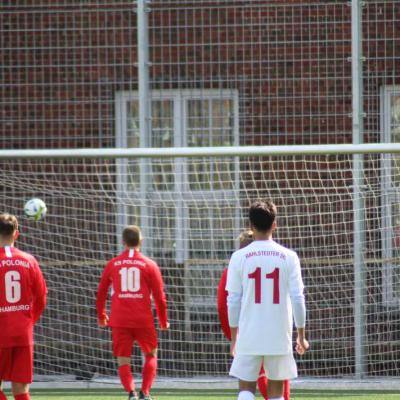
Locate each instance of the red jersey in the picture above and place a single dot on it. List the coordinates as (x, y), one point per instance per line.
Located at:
(135, 279)
(222, 305)
(22, 296)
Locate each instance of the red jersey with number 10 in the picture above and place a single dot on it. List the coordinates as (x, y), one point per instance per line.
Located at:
(22, 296)
(134, 279)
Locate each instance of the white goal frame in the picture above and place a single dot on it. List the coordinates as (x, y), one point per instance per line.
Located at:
(236, 151)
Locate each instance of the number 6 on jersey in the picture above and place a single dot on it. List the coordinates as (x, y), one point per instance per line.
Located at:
(13, 286)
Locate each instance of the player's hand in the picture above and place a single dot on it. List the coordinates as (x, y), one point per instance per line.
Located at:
(102, 323)
(302, 345)
(165, 327)
(233, 348)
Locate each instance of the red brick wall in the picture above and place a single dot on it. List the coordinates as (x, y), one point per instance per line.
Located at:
(62, 65)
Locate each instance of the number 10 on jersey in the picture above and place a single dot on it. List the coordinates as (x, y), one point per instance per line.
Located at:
(274, 275)
(130, 279)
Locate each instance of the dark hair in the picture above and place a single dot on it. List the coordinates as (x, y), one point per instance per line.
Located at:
(262, 214)
(132, 236)
(8, 224)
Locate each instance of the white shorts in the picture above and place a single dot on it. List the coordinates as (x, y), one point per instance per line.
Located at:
(277, 368)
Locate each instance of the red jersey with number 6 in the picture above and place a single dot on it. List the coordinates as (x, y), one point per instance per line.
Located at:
(135, 279)
(22, 296)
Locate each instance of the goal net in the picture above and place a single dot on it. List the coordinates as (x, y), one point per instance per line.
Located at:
(191, 211)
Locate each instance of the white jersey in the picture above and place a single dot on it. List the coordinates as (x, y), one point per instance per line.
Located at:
(267, 276)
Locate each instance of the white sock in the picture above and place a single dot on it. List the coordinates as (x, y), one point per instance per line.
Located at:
(246, 395)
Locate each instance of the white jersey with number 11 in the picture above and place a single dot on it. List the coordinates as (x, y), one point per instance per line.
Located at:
(268, 278)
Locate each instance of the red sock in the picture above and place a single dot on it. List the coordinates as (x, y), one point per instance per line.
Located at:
(126, 378)
(149, 373)
(286, 390)
(262, 383)
(24, 396)
(2, 396)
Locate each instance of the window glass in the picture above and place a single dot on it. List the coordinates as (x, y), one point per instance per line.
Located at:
(163, 230)
(210, 123)
(222, 122)
(133, 140)
(395, 117)
(162, 135)
(396, 248)
(198, 123)
(162, 123)
(133, 131)
(211, 231)
(201, 283)
(395, 135)
(390, 201)
(133, 214)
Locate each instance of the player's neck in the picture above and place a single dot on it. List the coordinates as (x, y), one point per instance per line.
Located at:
(6, 242)
(262, 235)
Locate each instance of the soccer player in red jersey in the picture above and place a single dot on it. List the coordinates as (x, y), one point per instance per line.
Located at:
(135, 279)
(245, 238)
(22, 301)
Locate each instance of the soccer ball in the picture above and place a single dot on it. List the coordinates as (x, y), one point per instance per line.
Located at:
(35, 209)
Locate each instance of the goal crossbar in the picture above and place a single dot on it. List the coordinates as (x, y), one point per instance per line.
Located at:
(222, 151)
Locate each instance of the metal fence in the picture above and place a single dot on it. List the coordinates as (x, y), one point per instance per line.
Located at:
(104, 74)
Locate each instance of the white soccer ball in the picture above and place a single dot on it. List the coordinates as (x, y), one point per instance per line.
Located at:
(35, 209)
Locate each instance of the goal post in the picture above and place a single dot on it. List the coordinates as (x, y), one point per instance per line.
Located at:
(191, 203)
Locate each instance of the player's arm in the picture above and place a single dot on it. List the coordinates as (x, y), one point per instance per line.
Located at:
(160, 299)
(222, 306)
(39, 293)
(296, 292)
(234, 301)
(101, 297)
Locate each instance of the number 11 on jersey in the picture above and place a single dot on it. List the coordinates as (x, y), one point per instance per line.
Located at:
(274, 275)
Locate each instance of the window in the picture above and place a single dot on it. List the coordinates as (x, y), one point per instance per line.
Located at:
(390, 123)
(186, 194)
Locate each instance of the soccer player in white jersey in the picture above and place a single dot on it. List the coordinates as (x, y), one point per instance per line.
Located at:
(265, 291)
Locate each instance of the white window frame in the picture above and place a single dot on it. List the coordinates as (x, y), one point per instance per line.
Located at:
(179, 98)
(390, 196)
(122, 98)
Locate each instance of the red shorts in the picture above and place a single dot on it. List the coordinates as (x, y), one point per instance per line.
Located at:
(16, 364)
(124, 338)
